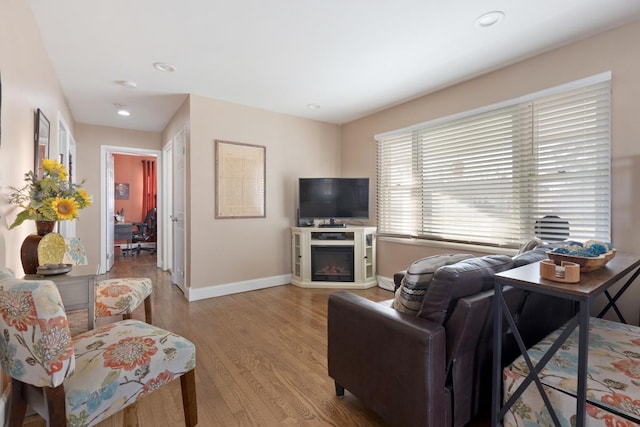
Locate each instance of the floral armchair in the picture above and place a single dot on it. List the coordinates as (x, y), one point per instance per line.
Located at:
(114, 297)
(81, 381)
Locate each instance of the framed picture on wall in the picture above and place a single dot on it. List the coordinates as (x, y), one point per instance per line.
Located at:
(41, 141)
(122, 191)
(240, 180)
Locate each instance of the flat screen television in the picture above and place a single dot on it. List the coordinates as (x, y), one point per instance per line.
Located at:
(334, 198)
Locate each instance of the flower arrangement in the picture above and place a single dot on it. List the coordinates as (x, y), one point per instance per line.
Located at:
(49, 198)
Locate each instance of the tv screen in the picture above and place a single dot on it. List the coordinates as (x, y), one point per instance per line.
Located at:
(334, 198)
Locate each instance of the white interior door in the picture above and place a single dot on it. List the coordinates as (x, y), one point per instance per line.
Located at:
(167, 206)
(178, 217)
(110, 209)
(67, 152)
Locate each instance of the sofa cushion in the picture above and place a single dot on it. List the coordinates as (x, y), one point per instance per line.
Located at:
(464, 278)
(409, 295)
(530, 245)
(537, 254)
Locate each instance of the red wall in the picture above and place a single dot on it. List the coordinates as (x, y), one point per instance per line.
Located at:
(128, 169)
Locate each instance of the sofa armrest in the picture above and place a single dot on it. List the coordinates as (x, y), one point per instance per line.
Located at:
(394, 363)
(397, 279)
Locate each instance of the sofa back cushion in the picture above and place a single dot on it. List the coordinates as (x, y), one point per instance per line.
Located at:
(537, 254)
(409, 295)
(451, 282)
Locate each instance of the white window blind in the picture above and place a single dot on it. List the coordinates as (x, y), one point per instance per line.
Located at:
(539, 167)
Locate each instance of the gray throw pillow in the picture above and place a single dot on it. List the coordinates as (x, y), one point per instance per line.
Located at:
(409, 296)
(465, 278)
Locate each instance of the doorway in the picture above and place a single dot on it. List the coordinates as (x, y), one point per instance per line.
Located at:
(108, 200)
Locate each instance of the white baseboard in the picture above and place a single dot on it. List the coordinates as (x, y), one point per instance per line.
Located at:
(386, 283)
(196, 294)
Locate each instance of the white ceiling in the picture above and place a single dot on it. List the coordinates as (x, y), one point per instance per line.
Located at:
(350, 57)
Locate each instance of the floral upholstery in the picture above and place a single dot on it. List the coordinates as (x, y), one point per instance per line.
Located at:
(75, 252)
(102, 370)
(613, 383)
(114, 297)
(121, 296)
(118, 363)
(35, 344)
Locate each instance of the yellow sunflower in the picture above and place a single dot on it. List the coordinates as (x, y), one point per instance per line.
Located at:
(84, 196)
(65, 208)
(50, 165)
(62, 174)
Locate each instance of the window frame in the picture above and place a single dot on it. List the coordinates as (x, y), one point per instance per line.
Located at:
(412, 210)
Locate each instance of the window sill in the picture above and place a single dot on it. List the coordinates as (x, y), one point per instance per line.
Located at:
(450, 245)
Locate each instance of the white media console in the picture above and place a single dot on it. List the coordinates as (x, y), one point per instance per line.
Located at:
(334, 257)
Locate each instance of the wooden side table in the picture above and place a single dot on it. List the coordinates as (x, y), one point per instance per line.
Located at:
(591, 285)
(77, 289)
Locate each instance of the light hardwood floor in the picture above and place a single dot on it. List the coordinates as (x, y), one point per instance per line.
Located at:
(261, 357)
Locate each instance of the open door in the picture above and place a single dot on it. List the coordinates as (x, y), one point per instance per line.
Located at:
(67, 153)
(178, 217)
(110, 203)
(107, 198)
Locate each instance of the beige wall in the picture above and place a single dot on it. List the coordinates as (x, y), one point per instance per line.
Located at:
(614, 51)
(224, 251)
(89, 139)
(28, 83)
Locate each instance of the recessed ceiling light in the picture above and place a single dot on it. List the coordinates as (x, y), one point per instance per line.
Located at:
(127, 83)
(122, 110)
(489, 19)
(164, 67)
(313, 106)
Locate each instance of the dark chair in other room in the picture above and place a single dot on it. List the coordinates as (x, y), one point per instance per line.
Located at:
(145, 232)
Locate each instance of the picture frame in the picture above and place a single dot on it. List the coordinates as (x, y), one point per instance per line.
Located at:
(121, 191)
(42, 136)
(240, 180)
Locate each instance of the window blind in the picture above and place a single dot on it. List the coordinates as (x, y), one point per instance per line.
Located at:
(539, 167)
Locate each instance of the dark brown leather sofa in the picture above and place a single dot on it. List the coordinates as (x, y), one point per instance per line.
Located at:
(433, 369)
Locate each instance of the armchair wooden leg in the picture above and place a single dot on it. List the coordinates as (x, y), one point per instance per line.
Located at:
(18, 406)
(55, 406)
(189, 402)
(147, 310)
(131, 415)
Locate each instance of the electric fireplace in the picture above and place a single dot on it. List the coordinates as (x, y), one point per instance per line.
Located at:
(332, 263)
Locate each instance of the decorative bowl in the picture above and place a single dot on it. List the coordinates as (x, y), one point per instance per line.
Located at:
(586, 263)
